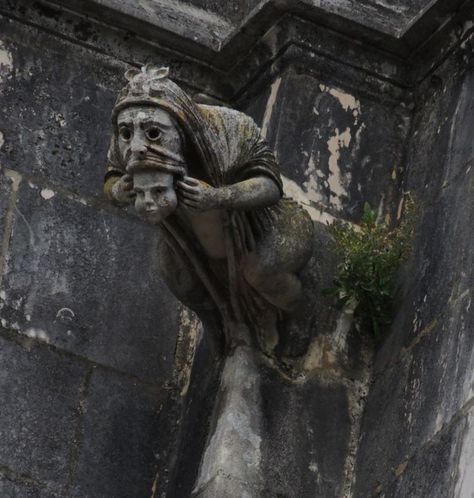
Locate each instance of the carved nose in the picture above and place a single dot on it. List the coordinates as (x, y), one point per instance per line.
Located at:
(138, 147)
(148, 201)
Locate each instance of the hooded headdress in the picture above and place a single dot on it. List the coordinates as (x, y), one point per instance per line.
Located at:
(151, 86)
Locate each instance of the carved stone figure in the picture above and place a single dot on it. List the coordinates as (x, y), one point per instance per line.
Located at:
(231, 240)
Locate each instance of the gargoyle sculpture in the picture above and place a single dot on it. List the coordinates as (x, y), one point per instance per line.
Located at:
(203, 174)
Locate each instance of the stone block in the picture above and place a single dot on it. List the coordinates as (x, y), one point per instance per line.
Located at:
(14, 489)
(432, 471)
(383, 445)
(441, 144)
(5, 191)
(40, 394)
(441, 269)
(464, 485)
(117, 457)
(305, 436)
(341, 148)
(417, 398)
(56, 122)
(196, 411)
(87, 281)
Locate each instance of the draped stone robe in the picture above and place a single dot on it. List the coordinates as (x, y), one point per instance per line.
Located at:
(223, 147)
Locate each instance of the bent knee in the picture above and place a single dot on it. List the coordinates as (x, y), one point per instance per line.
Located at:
(256, 272)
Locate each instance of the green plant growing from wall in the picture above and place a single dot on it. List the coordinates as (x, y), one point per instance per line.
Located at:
(370, 256)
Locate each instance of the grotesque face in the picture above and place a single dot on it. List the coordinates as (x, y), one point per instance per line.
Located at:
(156, 197)
(147, 135)
(148, 141)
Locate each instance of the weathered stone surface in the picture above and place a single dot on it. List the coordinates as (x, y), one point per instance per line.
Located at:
(120, 442)
(424, 371)
(338, 150)
(317, 319)
(40, 394)
(428, 385)
(5, 191)
(464, 485)
(388, 18)
(432, 471)
(415, 398)
(441, 181)
(87, 282)
(56, 122)
(12, 489)
(234, 10)
(232, 459)
(198, 405)
(306, 429)
(440, 145)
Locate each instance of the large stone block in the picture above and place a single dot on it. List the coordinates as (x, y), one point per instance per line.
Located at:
(55, 117)
(416, 398)
(87, 281)
(234, 10)
(441, 143)
(5, 191)
(117, 457)
(40, 394)
(197, 405)
(441, 268)
(464, 486)
(432, 471)
(305, 436)
(12, 489)
(424, 368)
(340, 147)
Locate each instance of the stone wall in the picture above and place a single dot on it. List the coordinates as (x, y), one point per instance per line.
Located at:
(108, 384)
(417, 429)
(88, 331)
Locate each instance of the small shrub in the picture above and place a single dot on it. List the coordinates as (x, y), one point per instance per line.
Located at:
(370, 257)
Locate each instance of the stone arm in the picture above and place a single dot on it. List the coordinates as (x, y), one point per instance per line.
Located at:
(257, 192)
(118, 188)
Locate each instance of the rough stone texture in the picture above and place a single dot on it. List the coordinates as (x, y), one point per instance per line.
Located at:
(5, 192)
(11, 489)
(424, 371)
(333, 102)
(231, 463)
(74, 271)
(298, 421)
(87, 282)
(337, 148)
(122, 439)
(465, 468)
(234, 10)
(404, 9)
(432, 469)
(48, 116)
(413, 398)
(198, 407)
(286, 423)
(41, 395)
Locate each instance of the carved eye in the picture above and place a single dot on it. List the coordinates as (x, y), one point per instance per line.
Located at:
(153, 133)
(125, 133)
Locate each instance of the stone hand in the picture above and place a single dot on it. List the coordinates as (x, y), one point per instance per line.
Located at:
(197, 195)
(122, 191)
